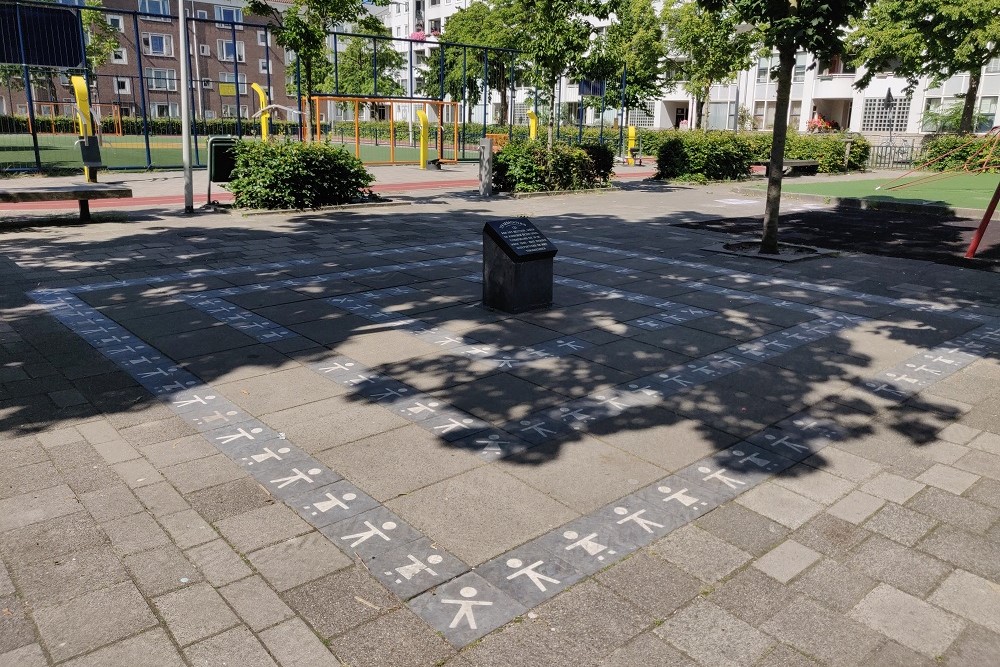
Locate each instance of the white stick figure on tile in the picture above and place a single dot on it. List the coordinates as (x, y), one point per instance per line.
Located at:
(143, 360)
(537, 428)
(415, 567)
(465, 611)
(530, 572)
(923, 368)
(785, 441)
(194, 400)
(163, 388)
(753, 458)
(636, 518)
(419, 407)
(389, 392)
(370, 533)
(731, 482)
(681, 497)
(159, 371)
(361, 379)
(216, 416)
(299, 476)
(266, 455)
(240, 433)
(587, 544)
(331, 502)
(569, 344)
(453, 425)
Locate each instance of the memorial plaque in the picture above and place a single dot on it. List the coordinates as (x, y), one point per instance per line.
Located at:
(520, 239)
(517, 266)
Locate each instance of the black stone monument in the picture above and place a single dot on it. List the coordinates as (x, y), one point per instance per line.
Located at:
(517, 266)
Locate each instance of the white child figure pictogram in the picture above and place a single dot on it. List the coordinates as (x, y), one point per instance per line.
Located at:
(415, 567)
(587, 544)
(299, 476)
(466, 606)
(636, 518)
(719, 475)
(331, 502)
(681, 497)
(266, 455)
(370, 533)
(240, 433)
(530, 572)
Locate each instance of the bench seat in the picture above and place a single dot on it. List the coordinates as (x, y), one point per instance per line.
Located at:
(81, 192)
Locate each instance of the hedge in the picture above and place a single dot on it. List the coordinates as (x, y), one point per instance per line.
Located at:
(296, 175)
(528, 166)
(723, 155)
(948, 152)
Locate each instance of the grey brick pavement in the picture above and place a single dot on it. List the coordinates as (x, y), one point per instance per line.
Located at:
(861, 526)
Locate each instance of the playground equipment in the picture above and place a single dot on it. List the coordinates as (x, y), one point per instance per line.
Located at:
(90, 147)
(424, 127)
(265, 113)
(977, 163)
(532, 125)
(434, 111)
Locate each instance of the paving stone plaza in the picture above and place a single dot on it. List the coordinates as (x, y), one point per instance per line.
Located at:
(301, 440)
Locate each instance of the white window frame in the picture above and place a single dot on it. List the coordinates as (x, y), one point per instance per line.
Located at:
(122, 90)
(200, 14)
(119, 56)
(221, 51)
(205, 50)
(263, 66)
(147, 45)
(116, 21)
(160, 8)
(169, 78)
(228, 77)
(263, 38)
(228, 109)
(220, 15)
(207, 84)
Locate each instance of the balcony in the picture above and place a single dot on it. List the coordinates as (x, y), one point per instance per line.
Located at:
(834, 87)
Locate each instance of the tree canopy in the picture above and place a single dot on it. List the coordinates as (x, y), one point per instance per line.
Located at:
(932, 38)
(711, 45)
(789, 26)
(367, 67)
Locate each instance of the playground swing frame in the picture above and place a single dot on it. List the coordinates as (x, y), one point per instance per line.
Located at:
(391, 102)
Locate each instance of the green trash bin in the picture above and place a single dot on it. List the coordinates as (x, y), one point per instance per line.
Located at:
(221, 161)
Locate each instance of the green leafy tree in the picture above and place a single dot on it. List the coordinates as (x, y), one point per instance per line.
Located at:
(789, 26)
(633, 43)
(482, 24)
(933, 38)
(368, 67)
(713, 47)
(303, 26)
(555, 36)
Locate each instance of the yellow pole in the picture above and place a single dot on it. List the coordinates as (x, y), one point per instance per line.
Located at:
(357, 130)
(83, 118)
(265, 118)
(631, 143)
(422, 115)
(532, 125)
(392, 134)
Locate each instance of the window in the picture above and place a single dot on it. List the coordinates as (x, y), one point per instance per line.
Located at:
(122, 85)
(226, 51)
(207, 84)
(201, 14)
(399, 31)
(794, 114)
(263, 38)
(877, 117)
(119, 56)
(763, 70)
(158, 7)
(836, 65)
(763, 115)
(205, 50)
(993, 66)
(435, 3)
(988, 113)
(229, 15)
(799, 73)
(155, 44)
(22, 109)
(399, 7)
(229, 111)
(263, 66)
(228, 77)
(116, 22)
(161, 79)
(73, 3)
(166, 109)
(435, 25)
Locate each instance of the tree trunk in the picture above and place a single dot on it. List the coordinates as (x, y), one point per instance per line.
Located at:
(969, 108)
(308, 66)
(502, 89)
(703, 110)
(786, 63)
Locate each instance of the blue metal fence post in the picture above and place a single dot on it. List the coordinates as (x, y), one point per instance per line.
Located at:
(336, 68)
(621, 125)
(465, 95)
(558, 107)
(298, 91)
(604, 90)
(236, 76)
(142, 89)
(510, 103)
(441, 70)
(29, 98)
(375, 66)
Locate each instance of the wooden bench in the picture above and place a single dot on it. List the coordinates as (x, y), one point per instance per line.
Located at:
(794, 167)
(82, 192)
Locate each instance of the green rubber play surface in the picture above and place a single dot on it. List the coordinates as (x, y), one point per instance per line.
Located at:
(957, 190)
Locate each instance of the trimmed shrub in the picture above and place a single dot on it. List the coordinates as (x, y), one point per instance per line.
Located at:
(717, 156)
(528, 166)
(952, 151)
(295, 175)
(603, 158)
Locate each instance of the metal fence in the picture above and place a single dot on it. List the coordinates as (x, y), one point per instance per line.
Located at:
(900, 155)
(134, 88)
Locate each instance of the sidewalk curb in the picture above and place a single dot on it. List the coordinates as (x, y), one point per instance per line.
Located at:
(323, 209)
(555, 193)
(939, 210)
